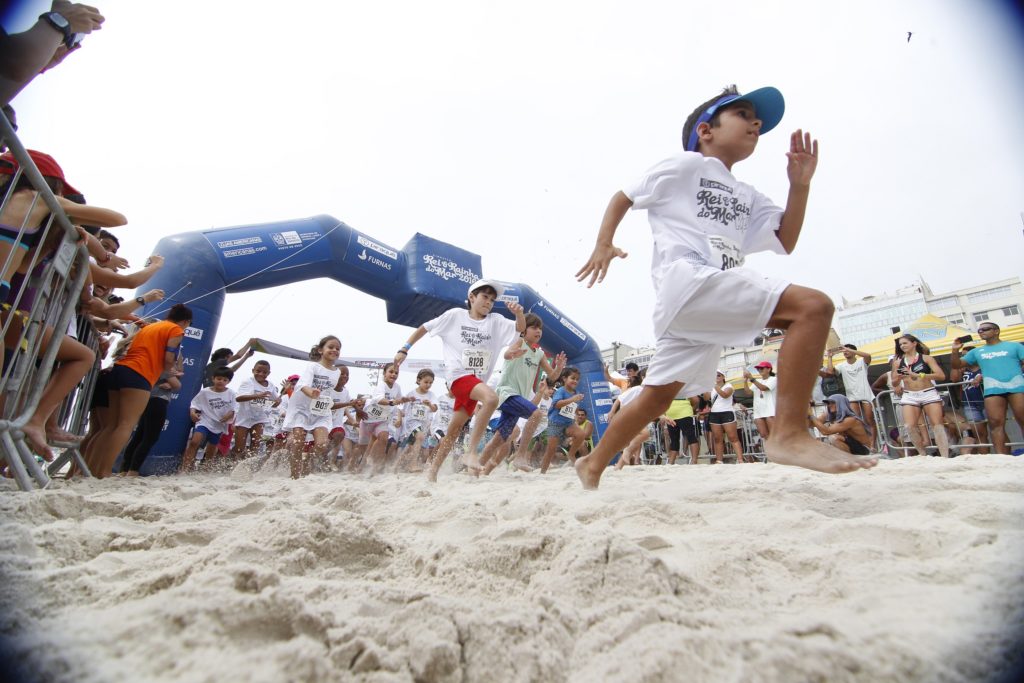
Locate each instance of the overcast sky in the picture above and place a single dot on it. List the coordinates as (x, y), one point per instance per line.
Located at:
(504, 129)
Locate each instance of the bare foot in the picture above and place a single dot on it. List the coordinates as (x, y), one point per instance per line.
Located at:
(523, 464)
(35, 436)
(588, 479)
(432, 475)
(815, 455)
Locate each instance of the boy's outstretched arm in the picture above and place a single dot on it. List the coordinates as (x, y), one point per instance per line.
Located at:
(802, 162)
(604, 251)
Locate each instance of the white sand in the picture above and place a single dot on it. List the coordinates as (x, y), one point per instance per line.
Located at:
(910, 572)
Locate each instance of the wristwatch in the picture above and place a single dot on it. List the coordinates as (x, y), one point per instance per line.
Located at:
(140, 301)
(57, 21)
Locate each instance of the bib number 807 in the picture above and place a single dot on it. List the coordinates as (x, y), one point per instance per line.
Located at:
(729, 262)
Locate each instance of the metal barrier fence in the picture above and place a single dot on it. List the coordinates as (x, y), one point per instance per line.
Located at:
(960, 432)
(44, 302)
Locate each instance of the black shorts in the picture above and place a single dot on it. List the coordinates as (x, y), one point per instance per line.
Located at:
(684, 426)
(856, 447)
(722, 418)
(123, 377)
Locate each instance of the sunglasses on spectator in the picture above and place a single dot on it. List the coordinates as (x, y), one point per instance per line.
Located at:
(987, 329)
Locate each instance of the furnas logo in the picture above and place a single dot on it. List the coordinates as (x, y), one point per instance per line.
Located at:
(370, 258)
(193, 333)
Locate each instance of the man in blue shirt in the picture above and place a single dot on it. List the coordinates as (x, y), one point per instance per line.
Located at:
(1001, 364)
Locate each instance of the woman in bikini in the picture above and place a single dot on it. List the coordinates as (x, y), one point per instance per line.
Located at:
(917, 372)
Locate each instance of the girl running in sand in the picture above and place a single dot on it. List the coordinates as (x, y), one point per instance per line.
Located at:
(308, 410)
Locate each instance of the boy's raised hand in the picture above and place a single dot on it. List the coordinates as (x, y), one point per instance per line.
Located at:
(802, 158)
(597, 266)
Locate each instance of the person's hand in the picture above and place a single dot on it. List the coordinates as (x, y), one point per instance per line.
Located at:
(976, 381)
(83, 18)
(194, 415)
(957, 345)
(667, 421)
(597, 265)
(802, 158)
(515, 353)
(153, 295)
(104, 346)
(577, 398)
(156, 260)
(314, 393)
(115, 262)
(747, 375)
(514, 308)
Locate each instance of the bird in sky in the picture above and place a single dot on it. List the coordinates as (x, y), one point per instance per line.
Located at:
(909, 33)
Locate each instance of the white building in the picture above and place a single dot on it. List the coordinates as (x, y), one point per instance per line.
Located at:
(877, 316)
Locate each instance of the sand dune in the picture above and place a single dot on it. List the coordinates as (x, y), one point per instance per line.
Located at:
(910, 572)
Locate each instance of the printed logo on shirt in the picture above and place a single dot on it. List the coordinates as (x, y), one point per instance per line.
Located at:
(715, 185)
(994, 354)
(723, 209)
(473, 336)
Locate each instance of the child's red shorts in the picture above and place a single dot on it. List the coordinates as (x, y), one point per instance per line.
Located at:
(461, 389)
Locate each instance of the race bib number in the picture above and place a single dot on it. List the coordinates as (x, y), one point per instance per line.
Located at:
(725, 253)
(476, 360)
(376, 412)
(321, 406)
(568, 411)
(258, 403)
(419, 411)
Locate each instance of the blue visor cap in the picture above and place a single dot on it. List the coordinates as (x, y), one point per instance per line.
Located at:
(769, 106)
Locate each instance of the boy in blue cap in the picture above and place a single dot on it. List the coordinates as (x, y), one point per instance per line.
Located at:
(704, 222)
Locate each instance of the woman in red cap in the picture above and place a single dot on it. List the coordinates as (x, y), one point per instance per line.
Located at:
(24, 219)
(764, 397)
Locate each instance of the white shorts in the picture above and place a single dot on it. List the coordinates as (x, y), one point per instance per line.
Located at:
(920, 398)
(729, 308)
(299, 416)
(369, 430)
(250, 421)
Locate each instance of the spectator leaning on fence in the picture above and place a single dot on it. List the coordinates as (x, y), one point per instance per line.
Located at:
(1001, 365)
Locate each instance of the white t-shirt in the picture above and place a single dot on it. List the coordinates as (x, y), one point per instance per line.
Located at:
(628, 395)
(719, 403)
(314, 376)
(855, 379)
(378, 412)
(703, 220)
(340, 415)
(418, 412)
(764, 401)
(443, 417)
(213, 406)
(471, 347)
(257, 410)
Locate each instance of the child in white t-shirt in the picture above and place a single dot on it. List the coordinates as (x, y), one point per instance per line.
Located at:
(439, 424)
(704, 222)
(374, 429)
(416, 421)
(308, 410)
(256, 401)
(211, 409)
(472, 341)
(342, 418)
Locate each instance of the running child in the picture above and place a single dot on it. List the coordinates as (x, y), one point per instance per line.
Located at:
(562, 419)
(342, 416)
(472, 340)
(374, 428)
(439, 423)
(704, 223)
(309, 409)
(211, 409)
(416, 422)
(256, 401)
(524, 360)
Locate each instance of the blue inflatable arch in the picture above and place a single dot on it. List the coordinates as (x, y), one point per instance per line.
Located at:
(418, 282)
